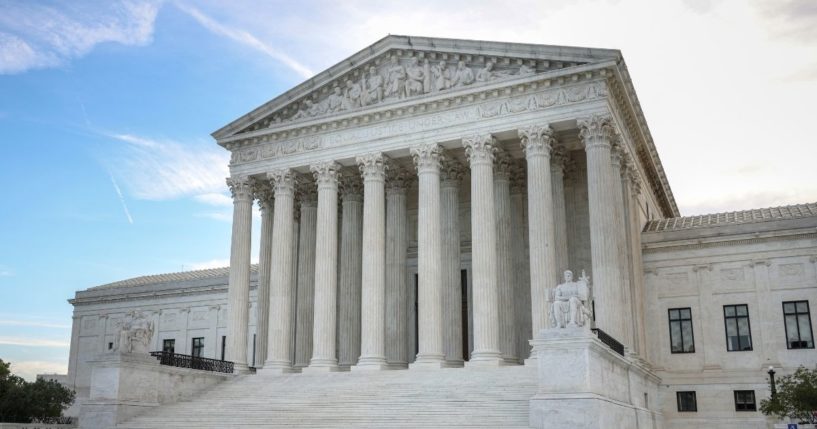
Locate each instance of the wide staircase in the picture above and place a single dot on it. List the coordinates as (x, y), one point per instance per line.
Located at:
(456, 397)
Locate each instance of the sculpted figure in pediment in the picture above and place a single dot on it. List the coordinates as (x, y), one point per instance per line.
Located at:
(415, 77)
(373, 91)
(524, 70)
(353, 95)
(335, 102)
(462, 76)
(396, 79)
(441, 77)
(487, 73)
(308, 110)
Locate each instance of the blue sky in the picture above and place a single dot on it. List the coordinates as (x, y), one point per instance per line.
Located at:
(106, 109)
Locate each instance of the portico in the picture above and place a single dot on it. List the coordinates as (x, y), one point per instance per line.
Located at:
(481, 191)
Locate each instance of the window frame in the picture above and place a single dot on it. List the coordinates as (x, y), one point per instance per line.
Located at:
(172, 342)
(694, 401)
(753, 403)
(737, 327)
(681, 320)
(796, 314)
(200, 347)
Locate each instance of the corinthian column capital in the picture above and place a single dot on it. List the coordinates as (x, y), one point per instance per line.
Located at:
(558, 161)
(502, 166)
(397, 180)
(262, 191)
(537, 140)
(373, 166)
(480, 149)
(241, 188)
(283, 181)
(427, 157)
(307, 192)
(351, 187)
(518, 177)
(326, 174)
(452, 172)
(596, 130)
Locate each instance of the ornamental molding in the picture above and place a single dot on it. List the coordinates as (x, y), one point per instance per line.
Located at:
(241, 188)
(537, 140)
(283, 181)
(428, 157)
(480, 149)
(412, 119)
(326, 174)
(373, 166)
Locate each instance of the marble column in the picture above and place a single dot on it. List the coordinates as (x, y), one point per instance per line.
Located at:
(373, 296)
(396, 288)
(263, 193)
(625, 300)
(596, 132)
(558, 163)
(306, 275)
(326, 268)
(238, 289)
(633, 189)
(452, 172)
(480, 151)
(349, 288)
(521, 269)
(504, 263)
(537, 142)
(427, 158)
(282, 283)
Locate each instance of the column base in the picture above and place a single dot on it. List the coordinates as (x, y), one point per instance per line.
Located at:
(277, 370)
(322, 366)
(397, 365)
(455, 363)
(241, 368)
(429, 361)
(485, 359)
(371, 363)
(510, 360)
(532, 361)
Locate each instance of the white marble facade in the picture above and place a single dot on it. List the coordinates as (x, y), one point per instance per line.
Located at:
(420, 202)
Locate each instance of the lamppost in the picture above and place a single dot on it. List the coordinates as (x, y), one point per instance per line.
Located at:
(771, 381)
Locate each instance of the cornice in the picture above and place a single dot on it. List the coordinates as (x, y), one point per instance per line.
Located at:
(149, 295)
(739, 240)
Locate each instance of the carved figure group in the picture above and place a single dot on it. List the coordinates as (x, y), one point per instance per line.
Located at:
(398, 81)
(571, 302)
(135, 334)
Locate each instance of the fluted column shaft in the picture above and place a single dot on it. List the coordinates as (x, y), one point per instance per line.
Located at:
(480, 152)
(632, 188)
(452, 288)
(623, 257)
(557, 171)
(537, 142)
(373, 297)
(263, 193)
(306, 278)
(504, 267)
(521, 271)
(350, 271)
(396, 249)
(326, 268)
(429, 254)
(596, 133)
(282, 283)
(238, 289)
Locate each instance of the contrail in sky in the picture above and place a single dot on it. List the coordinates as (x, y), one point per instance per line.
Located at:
(121, 198)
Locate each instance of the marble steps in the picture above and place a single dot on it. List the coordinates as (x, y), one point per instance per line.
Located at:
(463, 398)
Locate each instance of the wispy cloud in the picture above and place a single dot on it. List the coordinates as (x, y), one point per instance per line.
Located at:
(33, 323)
(33, 342)
(121, 198)
(29, 369)
(155, 169)
(213, 263)
(245, 38)
(215, 199)
(37, 36)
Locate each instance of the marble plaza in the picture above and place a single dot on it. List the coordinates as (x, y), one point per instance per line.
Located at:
(458, 233)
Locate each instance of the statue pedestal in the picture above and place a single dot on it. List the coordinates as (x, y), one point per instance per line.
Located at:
(585, 384)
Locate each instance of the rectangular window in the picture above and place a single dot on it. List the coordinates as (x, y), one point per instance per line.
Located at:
(686, 401)
(169, 346)
(223, 345)
(198, 347)
(798, 325)
(745, 400)
(680, 330)
(738, 330)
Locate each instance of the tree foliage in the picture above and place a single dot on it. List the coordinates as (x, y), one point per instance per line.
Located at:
(22, 401)
(796, 397)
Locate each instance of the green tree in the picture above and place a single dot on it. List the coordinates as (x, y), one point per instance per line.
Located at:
(796, 397)
(21, 401)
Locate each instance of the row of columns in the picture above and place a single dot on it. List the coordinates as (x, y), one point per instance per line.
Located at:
(377, 328)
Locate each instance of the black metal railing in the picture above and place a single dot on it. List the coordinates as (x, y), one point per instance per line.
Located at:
(61, 420)
(611, 342)
(193, 362)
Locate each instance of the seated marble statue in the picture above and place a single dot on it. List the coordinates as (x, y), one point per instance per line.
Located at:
(135, 334)
(570, 307)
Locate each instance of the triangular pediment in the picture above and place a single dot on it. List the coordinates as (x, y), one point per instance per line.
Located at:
(400, 68)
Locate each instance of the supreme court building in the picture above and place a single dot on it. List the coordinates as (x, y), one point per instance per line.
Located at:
(420, 202)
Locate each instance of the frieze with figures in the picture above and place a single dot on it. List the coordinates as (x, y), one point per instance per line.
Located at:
(492, 109)
(397, 78)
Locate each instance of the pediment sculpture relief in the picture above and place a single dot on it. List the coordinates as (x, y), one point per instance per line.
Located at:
(401, 79)
(134, 334)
